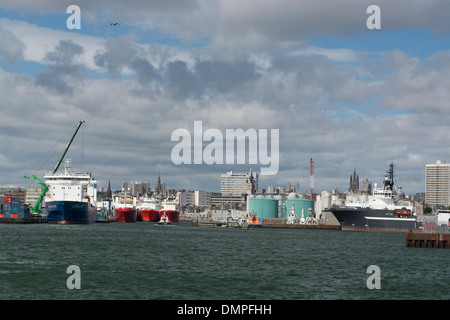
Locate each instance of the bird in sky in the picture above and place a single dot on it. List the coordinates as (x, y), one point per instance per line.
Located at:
(114, 23)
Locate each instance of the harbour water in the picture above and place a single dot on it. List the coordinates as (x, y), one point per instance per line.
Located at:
(182, 262)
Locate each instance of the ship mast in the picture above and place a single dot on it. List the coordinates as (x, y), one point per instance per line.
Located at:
(389, 178)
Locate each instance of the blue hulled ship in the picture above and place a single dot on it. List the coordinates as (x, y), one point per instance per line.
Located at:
(71, 197)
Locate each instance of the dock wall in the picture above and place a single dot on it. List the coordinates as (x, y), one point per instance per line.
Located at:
(427, 240)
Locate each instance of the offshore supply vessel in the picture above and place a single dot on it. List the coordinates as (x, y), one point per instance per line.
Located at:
(379, 212)
(125, 209)
(169, 207)
(148, 209)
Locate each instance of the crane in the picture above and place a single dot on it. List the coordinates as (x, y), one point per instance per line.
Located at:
(37, 209)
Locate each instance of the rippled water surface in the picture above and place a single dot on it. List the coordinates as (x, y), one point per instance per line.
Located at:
(146, 261)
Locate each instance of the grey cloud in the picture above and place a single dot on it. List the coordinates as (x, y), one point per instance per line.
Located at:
(144, 70)
(224, 77)
(11, 48)
(420, 87)
(182, 82)
(180, 78)
(62, 69)
(117, 55)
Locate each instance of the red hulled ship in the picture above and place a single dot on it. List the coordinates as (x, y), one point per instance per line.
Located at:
(125, 210)
(169, 207)
(149, 209)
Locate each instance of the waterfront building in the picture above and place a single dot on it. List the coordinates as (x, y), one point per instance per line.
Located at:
(194, 198)
(437, 184)
(219, 200)
(32, 195)
(185, 198)
(139, 188)
(202, 198)
(237, 184)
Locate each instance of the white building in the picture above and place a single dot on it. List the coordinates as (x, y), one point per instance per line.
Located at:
(194, 198)
(437, 184)
(236, 184)
(202, 198)
(32, 195)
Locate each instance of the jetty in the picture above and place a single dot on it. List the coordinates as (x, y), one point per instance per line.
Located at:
(274, 223)
(420, 239)
(24, 220)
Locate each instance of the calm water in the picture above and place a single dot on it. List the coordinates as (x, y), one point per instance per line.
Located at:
(147, 261)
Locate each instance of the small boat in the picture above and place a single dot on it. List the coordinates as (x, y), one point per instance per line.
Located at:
(253, 221)
(164, 219)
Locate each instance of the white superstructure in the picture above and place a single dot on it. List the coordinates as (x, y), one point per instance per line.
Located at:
(71, 186)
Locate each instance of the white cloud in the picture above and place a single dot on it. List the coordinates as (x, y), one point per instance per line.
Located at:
(40, 41)
(256, 73)
(338, 55)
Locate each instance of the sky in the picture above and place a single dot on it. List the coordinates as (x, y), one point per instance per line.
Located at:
(350, 97)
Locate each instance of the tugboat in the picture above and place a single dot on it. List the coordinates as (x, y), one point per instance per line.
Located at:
(164, 220)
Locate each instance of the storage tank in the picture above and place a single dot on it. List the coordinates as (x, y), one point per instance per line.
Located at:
(299, 204)
(264, 207)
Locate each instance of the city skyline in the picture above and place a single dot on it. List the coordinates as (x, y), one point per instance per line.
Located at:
(338, 92)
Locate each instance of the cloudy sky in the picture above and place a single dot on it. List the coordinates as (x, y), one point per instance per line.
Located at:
(345, 95)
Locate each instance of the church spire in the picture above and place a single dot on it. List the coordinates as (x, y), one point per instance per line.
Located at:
(108, 192)
(158, 188)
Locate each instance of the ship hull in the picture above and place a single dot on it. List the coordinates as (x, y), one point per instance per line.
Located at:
(367, 219)
(173, 215)
(149, 215)
(70, 212)
(125, 214)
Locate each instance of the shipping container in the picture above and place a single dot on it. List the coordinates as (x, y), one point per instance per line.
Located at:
(8, 200)
(7, 207)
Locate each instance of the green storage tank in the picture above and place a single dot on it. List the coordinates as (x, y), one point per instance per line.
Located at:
(299, 204)
(263, 207)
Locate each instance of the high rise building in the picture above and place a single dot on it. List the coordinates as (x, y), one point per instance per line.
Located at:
(140, 188)
(437, 184)
(232, 183)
